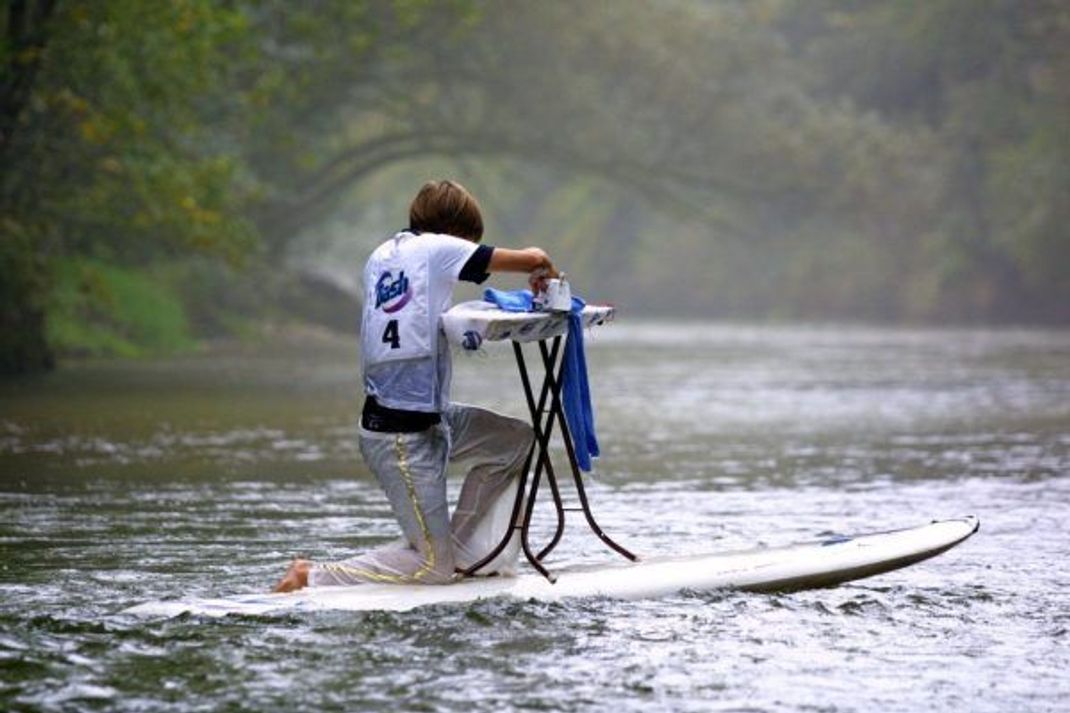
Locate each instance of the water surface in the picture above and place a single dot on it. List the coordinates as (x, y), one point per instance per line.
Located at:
(124, 482)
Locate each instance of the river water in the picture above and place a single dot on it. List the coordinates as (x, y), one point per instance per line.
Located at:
(127, 482)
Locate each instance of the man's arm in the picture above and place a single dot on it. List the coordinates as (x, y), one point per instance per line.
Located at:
(533, 261)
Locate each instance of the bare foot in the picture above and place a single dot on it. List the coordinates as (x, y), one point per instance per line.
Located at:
(296, 577)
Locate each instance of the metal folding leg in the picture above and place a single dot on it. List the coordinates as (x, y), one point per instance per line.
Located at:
(540, 453)
(557, 411)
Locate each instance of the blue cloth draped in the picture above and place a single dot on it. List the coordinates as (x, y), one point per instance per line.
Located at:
(575, 389)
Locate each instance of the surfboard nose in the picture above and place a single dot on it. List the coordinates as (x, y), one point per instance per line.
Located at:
(968, 523)
(972, 522)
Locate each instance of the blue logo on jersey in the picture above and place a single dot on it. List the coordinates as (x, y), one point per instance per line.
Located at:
(391, 294)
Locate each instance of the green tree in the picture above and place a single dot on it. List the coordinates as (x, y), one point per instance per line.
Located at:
(898, 160)
(106, 151)
(982, 77)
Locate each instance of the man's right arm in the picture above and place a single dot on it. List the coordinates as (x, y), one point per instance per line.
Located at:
(533, 261)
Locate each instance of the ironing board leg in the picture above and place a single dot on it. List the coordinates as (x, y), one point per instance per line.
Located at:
(539, 447)
(557, 411)
(540, 453)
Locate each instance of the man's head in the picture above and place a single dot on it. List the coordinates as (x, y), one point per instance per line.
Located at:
(446, 207)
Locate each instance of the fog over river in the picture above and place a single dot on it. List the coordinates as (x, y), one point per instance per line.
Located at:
(123, 482)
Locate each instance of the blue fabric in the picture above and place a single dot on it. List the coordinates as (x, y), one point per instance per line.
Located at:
(575, 389)
(510, 300)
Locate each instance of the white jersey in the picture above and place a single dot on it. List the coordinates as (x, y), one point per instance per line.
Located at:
(408, 284)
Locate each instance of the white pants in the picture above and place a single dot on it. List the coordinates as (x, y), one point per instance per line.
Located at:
(411, 468)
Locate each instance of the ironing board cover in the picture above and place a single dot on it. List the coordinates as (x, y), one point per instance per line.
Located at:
(488, 323)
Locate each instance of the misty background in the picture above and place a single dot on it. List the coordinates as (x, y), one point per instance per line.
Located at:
(187, 170)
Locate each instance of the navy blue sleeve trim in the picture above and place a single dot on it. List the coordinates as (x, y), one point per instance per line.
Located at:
(475, 270)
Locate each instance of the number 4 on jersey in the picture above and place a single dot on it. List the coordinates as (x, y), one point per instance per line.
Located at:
(391, 336)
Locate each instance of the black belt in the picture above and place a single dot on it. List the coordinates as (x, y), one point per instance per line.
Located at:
(376, 417)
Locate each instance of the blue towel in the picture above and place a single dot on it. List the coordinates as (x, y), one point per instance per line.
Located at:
(510, 300)
(575, 390)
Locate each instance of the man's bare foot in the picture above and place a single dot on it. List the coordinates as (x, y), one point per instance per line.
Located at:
(296, 577)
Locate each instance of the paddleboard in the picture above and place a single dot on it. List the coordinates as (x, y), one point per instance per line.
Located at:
(824, 563)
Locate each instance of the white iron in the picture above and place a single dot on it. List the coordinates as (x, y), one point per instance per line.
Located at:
(557, 297)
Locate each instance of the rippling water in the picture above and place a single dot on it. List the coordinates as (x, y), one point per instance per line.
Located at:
(121, 483)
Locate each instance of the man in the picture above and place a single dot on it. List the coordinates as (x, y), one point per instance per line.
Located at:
(409, 428)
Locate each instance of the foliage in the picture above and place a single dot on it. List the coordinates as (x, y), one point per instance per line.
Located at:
(790, 158)
(101, 310)
(108, 146)
(980, 77)
(114, 152)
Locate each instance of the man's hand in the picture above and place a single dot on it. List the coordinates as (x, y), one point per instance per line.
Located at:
(537, 280)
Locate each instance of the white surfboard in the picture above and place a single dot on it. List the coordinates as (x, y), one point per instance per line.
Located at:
(804, 566)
